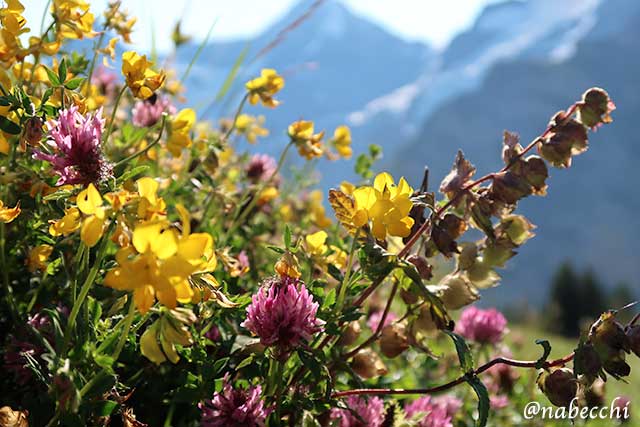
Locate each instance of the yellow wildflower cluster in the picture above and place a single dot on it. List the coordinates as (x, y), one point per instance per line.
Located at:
(75, 21)
(180, 129)
(8, 214)
(309, 145)
(251, 127)
(263, 88)
(140, 78)
(316, 247)
(385, 206)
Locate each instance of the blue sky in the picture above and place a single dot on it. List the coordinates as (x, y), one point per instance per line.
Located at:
(432, 21)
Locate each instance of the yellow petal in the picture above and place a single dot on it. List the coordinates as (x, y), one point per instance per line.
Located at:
(91, 231)
(89, 200)
(143, 298)
(156, 237)
(382, 180)
(9, 214)
(148, 188)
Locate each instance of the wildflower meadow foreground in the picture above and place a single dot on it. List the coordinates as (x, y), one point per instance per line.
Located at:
(153, 275)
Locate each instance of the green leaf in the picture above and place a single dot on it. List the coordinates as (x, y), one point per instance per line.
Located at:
(276, 249)
(133, 172)
(464, 353)
(53, 78)
(246, 362)
(62, 71)
(287, 237)
(74, 83)
(483, 400)
(330, 299)
(4, 101)
(104, 408)
(9, 127)
(546, 346)
(219, 365)
(60, 194)
(47, 94)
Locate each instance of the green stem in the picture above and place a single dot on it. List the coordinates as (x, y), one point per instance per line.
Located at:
(240, 216)
(347, 275)
(235, 118)
(84, 291)
(148, 147)
(125, 330)
(113, 114)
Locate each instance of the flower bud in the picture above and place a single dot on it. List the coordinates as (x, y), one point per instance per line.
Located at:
(422, 266)
(458, 292)
(408, 297)
(608, 337)
(587, 361)
(33, 131)
(368, 364)
(559, 386)
(350, 334)
(425, 321)
(593, 396)
(633, 335)
(393, 340)
(11, 418)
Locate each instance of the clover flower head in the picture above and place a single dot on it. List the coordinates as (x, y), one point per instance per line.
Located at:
(370, 413)
(374, 319)
(262, 167)
(105, 79)
(434, 412)
(234, 408)
(148, 112)
(283, 314)
(482, 326)
(75, 141)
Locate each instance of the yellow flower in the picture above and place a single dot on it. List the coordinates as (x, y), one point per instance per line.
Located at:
(158, 342)
(338, 257)
(309, 144)
(66, 225)
(386, 205)
(180, 128)
(342, 141)
(287, 265)
(160, 262)
(13, 25)
(150, 205)
(315, 243)
(73, 18)
(264, 87)
(141, 79)
(38, 257)
(9, 214)
(251, 127)
(89, 202)
(318, 212)
(119, 20)
(267, 195)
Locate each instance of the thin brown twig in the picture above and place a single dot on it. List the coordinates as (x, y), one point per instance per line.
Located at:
(461, 379)
(380, 326)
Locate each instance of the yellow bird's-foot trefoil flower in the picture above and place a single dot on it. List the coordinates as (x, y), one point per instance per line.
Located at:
(263, 88)
(9, 214)
(309, 145)
(141, 79)
(385, 205)
(160, 262)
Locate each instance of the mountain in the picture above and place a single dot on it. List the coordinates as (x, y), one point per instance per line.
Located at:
(589, 215)
(334, 62)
